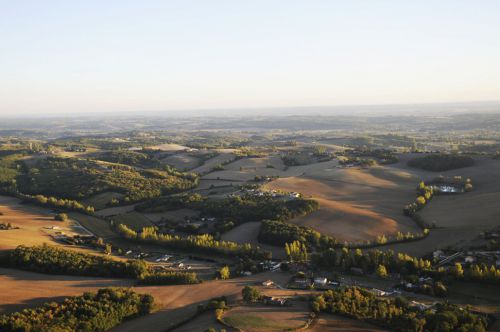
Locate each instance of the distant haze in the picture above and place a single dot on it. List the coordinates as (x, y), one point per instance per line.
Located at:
(248, 57)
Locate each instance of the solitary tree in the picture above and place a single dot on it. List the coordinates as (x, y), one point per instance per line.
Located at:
(224, 273)
(458, 270)
(61, 217)
(250, 294)
(381, 271)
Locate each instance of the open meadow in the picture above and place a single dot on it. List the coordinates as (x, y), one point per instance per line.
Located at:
(263, 318)
(248, 233)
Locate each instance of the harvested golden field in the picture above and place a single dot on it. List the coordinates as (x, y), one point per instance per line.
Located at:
(355, 204)
(36, 225)
(175, 303)
(22, 289)
(462, 217)
(479, 208)
(359, 204)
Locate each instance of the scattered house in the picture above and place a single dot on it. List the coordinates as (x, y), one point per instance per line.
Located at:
(270, 265)
(301, 281)
(421, 306)
(268, 283)
(425, 280)
(469, 259)
(163, 258)
(278, 301)
(320, 282)
(378, 292)
(438, 254)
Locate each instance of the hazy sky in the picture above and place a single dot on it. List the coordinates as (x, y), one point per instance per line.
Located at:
(77, 56)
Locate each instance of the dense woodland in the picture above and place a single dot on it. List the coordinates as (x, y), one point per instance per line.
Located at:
(237, 209)
(396, 313)
(143, 158)
(97, 312)
(76, 179)
(441, 162)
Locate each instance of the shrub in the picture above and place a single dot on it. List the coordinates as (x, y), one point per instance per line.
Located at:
(250, 294)
(61, 217)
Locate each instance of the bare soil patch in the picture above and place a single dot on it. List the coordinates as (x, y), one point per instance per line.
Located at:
(22, 289)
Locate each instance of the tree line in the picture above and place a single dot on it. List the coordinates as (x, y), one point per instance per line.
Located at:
(76, 179)
(204, 243)
(441, 162)
(396, 313)
(168, 278)
(54, 260)
(98, 311)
